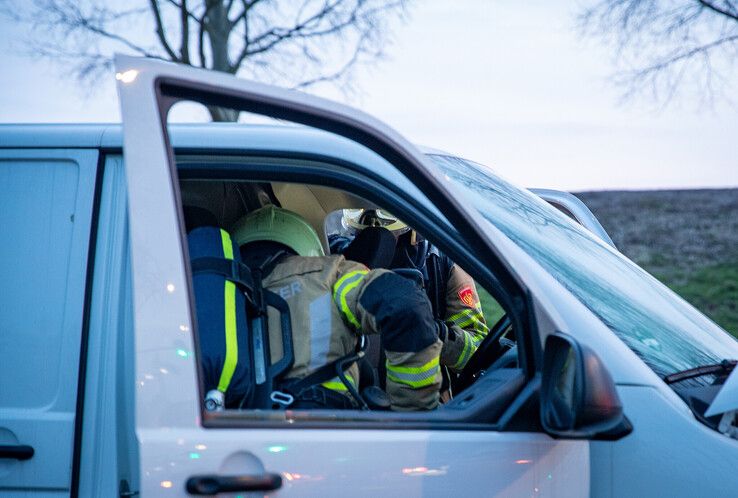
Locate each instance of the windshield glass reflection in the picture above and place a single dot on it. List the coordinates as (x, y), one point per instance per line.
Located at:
(667, 333)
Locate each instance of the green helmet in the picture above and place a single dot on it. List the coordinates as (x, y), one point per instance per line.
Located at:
(272, 223)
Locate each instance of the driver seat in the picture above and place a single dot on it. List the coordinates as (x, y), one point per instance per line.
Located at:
(373, 247)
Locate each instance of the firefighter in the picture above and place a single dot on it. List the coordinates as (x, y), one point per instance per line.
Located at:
(332, 302)
(451, 291)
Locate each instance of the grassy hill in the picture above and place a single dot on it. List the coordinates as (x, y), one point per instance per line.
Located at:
(688, 239)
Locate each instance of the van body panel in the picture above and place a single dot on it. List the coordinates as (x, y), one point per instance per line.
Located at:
(673, 454)
(377, 463)
(109, 447)
(46, 205)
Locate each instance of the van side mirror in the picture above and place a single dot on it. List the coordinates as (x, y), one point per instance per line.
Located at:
(578, 397)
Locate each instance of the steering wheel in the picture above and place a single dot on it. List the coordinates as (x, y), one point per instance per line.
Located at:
(488, 351)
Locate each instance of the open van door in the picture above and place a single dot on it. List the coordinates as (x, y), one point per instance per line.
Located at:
(184, 449)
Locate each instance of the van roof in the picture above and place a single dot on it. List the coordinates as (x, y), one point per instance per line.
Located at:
(235, 136)
(110, 136)
(209, 137)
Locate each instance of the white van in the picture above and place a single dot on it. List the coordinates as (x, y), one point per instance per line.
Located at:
(595, 379)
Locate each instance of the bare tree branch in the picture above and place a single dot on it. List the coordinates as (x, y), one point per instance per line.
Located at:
(711, 5)
(298, 44)
(73, 17)
(277, 35)
(246, 6)
(178, 6)
(333, 76)
(668, 47)
(687, 54)
(184, 19)
(160, 30)
(201, 41)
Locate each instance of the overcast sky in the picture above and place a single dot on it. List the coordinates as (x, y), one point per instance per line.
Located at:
(506, 83)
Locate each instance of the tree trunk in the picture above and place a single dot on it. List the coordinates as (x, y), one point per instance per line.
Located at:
(218, 28)
(221, 114)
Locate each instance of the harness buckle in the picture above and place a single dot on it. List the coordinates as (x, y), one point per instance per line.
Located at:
(214, 401)
(282, 398)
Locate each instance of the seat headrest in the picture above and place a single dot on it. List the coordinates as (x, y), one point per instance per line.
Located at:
(373, 247)
(196, 217)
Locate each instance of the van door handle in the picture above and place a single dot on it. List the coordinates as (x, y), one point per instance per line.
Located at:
(17, 451)
(214, 484)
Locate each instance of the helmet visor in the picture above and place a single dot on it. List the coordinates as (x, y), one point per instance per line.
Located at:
(360, 219)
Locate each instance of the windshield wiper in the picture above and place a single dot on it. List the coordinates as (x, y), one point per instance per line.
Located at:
(724, 367)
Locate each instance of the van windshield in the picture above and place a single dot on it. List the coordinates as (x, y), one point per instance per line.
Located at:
(666, 332)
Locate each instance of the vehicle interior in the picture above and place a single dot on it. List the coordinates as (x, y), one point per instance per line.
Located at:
(482, 392)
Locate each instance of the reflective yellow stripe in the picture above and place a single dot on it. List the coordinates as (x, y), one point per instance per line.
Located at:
(349, 275)
(343, 286)
(453, 318)
(335, 384)
(473, 337)
(413, 370)
(415, 377)
(467, 317)
(231, 339)
(477, 310)
(479, 325)
(473, 319)
(465, 353)
(225, 239)
(477, 338)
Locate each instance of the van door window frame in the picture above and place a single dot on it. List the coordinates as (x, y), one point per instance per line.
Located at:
(151, 89)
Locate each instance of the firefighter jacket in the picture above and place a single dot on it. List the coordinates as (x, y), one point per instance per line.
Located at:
(466, 327)
(332, 301)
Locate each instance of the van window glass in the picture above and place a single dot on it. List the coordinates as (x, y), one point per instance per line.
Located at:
(667, 333)
(46, 201)
(242, 354)
(37, 219)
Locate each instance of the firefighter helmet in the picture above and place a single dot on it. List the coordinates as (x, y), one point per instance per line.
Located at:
(275, 224)
(359, 219)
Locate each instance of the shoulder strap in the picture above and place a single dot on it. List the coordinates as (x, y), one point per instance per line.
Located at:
(322, 374)
(268, 265)
(267, 373)
(335, 368)
(234, 271)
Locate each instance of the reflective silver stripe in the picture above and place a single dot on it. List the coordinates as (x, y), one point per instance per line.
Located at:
(320, 331)
(422, 378)
(259, 364)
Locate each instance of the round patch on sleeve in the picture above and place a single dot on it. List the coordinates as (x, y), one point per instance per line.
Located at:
(466, 294)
